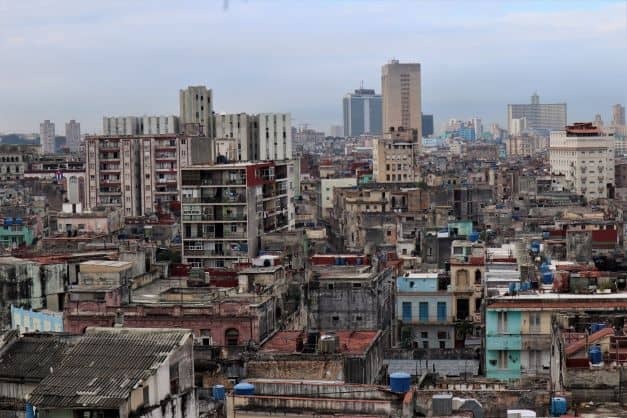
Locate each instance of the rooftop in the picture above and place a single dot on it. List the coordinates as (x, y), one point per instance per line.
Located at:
(88, 376)
(351, 342)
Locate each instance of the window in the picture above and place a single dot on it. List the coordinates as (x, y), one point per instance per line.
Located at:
(358, 318)
(442, 335)
(441, 311)
(335, 318)
(424, 335)
(423, 311)
(231, 337)
(146, 395)
(442, 345)
(356, 284)
(502, 322)
(174, 378)
(406, 311)
(502, 359)
(534, 322)
(411, 284)
(205, 337)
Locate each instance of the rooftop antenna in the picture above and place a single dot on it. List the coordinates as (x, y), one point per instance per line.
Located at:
(361, 85)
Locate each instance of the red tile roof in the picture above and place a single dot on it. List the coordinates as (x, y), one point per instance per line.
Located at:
(351, 342)
(592, 338)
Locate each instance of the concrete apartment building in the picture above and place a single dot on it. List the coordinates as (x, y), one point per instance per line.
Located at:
(73, 135)
(262, 137)
(618, 115)
(140, 125)
(196, 106)
(401, 98)
(46, 136)
(141, 174)
(584, 155)
(395, 161)
(362, 113)
(226, 208)
(540, 117)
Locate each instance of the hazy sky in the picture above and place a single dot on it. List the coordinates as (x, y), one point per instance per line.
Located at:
(81, 60)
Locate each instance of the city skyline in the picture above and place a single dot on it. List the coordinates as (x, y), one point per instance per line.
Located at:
(466, 70)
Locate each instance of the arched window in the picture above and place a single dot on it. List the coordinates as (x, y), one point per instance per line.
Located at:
(462, 279)
(231, 337)
(477, 276)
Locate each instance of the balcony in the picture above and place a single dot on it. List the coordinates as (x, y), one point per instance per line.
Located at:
(110, 190)
(231, 199)
(429, 321)
(109, 146)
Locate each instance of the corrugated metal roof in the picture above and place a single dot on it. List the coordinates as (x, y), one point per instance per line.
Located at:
(104, 366)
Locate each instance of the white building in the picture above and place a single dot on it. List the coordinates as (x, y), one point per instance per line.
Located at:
(518, 126)
(160, 125)
(585, 157)
(541, 118)
(46, 136)
(73, 135)
(196, 106)
(121, 125)
(275, 136)
(478, 127)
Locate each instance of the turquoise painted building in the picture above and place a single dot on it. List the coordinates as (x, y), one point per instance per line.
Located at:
(503, 344)
(14, 233)
(460, 228)
(424, 311)
(27, 320)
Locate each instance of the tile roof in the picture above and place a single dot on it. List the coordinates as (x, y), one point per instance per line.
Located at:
(102, 369)
(351, 342)
(31, 357)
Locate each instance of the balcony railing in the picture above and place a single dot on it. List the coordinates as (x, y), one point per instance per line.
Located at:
(213, 199)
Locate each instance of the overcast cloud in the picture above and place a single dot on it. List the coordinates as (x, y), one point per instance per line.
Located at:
(81, 60)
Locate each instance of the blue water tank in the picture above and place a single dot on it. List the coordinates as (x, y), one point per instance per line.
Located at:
(244, 389)
(544, 267)
(8, 221)
(18, 221)
(474, 236)
(524, 286)
(400, 382)
(338, 261)
(218, 393)
(547, 277)
(559, 406)
(596, 327)
(596, 357)
(359, 261)
(512, 288)
(535, 247)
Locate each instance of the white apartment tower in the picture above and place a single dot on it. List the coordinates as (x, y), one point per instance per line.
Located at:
(121, 125)
(46, 136)
(584, 155)
(275, 136)
(196, 106)
(401, 93)
(73, 135)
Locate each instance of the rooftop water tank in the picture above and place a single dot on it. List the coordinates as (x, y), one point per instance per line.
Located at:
(8, 221)
(18, 221)
(218, 393)
(400, 382)
(244, 389)
(596, 327)
(547, 277)
(595, 355)
(535, 247)
(558, 406)
(474, 236)
(544, 267)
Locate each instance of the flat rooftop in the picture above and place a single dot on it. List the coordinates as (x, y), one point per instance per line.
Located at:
(351, 342)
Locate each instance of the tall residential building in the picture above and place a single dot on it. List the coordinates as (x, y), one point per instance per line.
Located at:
(73, 135)
(160, 125)
(362, 113)
(427, 125)
(478, 127)
(121, 125)
(196, 106)
(46, 136)
(541, 118)
(226, 208)
(401, 91)
(618, 115)
(275, 136)
(140, 174)
(585, 157)
(140, 125)
(262, 137)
